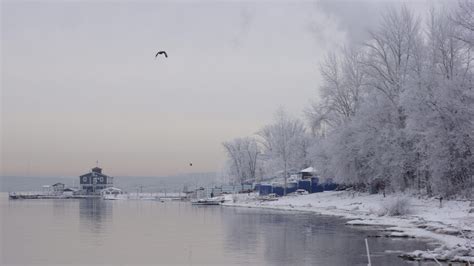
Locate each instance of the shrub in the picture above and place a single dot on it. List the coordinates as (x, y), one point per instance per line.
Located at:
(396, 206)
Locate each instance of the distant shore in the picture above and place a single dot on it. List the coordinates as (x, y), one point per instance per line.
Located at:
(451, 225)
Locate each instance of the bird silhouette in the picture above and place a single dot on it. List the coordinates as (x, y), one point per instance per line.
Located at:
(190, 164)
(161, 52)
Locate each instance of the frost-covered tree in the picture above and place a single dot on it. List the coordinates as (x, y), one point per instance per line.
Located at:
(463, 19)
(285, 144)
(368, 141)
(243, 156)
(396, 113)
(391, 54)
(442, 110)
(413, 120)
(342, 80)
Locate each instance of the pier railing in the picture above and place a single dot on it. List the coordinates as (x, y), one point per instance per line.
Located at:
(61, 195)
(35, 194)
(156, 195)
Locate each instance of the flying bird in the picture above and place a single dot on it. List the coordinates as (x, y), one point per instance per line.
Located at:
(161, 52)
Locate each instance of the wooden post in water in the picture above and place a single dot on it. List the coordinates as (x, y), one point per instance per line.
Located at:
(368, 253)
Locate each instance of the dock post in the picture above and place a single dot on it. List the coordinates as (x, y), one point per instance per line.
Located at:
(368, 253)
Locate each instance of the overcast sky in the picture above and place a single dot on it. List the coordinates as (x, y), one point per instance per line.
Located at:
(80, 82)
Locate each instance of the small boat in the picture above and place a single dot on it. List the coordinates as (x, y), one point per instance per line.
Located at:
(13, 196)
(269, 197)
(113, 193)
(115, 197)
(25, 195)
(209, 201)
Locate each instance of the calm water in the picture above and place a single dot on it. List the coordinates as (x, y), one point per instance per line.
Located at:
(148, 232)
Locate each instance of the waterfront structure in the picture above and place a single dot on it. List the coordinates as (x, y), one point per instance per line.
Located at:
(69, 192)
(58, 187)
(113, 193)
(307, 173)
(94, 181)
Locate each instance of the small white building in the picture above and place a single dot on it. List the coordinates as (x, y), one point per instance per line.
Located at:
(69, 192)
(307, 172)
(111, 191)
(58, 187)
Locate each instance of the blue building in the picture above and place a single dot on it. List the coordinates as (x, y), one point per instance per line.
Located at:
(94, 181)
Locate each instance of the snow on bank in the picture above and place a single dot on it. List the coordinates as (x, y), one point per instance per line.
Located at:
(451, 225)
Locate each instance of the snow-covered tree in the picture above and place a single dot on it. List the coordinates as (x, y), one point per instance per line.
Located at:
(339, 93)
(285, 144)
(413, 121)
(396, 113)
(243, 155)
(443, 108)
(463, 19)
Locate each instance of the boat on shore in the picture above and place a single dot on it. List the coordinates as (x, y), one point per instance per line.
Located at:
(23, 196)
(208, 201)
(269, 197)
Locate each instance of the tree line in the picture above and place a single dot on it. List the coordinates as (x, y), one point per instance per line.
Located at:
(393, 113)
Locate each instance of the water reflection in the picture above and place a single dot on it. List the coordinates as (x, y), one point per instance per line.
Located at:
(60, 207)
(93, 231)
(284, 238)
(94, 215)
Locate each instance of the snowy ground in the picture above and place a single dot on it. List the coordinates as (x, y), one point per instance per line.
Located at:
(451, 225)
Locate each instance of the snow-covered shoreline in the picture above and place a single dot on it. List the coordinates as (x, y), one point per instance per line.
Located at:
(452, 226)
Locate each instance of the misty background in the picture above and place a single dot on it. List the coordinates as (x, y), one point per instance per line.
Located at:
(80, 82)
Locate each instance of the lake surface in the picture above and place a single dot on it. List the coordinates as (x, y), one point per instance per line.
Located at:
(87, 232)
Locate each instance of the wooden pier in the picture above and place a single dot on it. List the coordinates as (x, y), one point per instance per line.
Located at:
(129, 196)
(37, 195)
